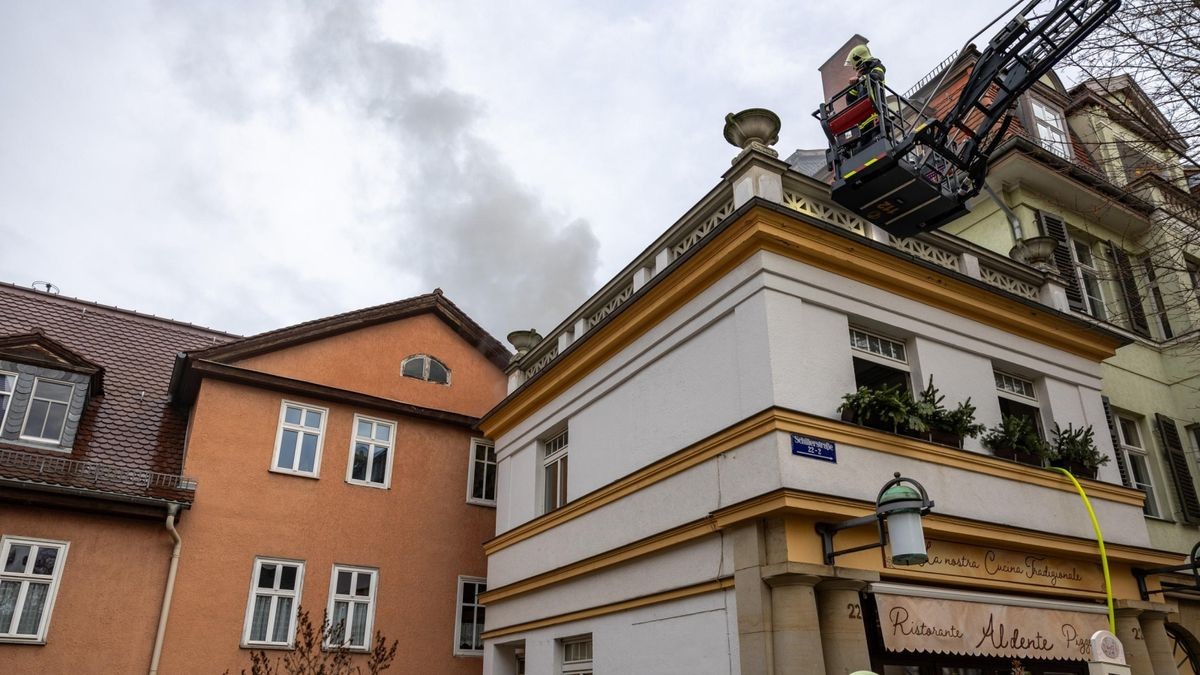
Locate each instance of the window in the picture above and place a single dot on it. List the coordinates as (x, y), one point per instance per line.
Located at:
(1139, 464)
(371, 452)
(554, 472)
(1089, 278)
(47, 412)
(1018, 399)
(468, 632)
(7, 382)
(1051, 130)
(577, 656)
(298, 446)
(351, 606)
(1193, 270)
(426, 368)
(28, 586)
(878, 361)
(274, 599)
(481, 477)
(1158, 308)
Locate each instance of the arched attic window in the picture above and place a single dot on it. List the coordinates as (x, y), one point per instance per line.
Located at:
(425, 367)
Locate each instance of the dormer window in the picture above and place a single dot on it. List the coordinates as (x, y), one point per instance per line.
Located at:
(424, 367)
(1050, 128)
(43, 390)
(47, 412)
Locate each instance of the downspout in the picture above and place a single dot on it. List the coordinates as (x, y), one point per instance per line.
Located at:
(172, 510)
(1013, 221)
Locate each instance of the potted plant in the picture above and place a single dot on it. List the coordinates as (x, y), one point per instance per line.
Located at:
(1016, 438)
(1075, 450)
(955, 425)
(930, 413)
(887, 408)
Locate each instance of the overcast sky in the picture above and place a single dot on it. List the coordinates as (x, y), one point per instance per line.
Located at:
(251, 165)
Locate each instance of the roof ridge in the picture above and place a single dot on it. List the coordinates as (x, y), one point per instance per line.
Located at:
(118, 312)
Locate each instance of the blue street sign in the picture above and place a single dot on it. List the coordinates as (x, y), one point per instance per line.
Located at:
(816, 448)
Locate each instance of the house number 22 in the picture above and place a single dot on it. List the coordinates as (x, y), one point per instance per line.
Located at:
(855, 610)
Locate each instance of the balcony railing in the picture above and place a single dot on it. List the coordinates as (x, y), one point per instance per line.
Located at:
(800, 195)
(76, 473)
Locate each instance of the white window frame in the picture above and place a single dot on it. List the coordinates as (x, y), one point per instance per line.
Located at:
(29, 408)
(1082, 272)
(877, 357)
(25, 578)
(458, 608)
(283, 424)
(472, 467)
(1031, 401)
(425, 369)
(1141, 452)
(1049, 121)
(580, 667)
(391, 453)
(334, 597)
(10, 394)
(555, 457)
(255, 591)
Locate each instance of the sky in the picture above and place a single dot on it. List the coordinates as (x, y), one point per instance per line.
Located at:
(247, 166)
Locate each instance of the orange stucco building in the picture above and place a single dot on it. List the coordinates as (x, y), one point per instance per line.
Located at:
(341, 474)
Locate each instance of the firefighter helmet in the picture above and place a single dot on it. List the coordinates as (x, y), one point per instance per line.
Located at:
(858, 55)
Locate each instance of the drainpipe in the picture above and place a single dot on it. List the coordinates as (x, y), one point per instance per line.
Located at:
(172, 510)
(1013, 221)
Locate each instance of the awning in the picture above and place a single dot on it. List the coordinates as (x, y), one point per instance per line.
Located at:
(984, 626)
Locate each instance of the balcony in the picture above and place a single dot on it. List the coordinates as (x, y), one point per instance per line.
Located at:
(33, 470)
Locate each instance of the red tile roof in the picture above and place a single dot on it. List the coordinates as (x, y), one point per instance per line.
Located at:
(130, 428)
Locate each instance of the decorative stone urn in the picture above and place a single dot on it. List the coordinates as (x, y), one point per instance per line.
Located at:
(753, 129)
(523, 341)
(1037, 252)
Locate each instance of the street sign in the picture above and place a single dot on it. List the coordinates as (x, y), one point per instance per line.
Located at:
(816, 448)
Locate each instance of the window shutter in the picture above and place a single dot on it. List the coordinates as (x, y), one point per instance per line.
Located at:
(1116, 439)
(1053, 226)
(1133, 300)
(1189, 504)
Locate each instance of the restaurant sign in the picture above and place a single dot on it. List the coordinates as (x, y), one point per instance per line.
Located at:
(914, 624)
(947, 558)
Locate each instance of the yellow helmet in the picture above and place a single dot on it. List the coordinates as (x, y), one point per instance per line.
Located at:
(858, 55)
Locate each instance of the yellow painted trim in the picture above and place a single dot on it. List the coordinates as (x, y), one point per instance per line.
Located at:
(780, 420)
(791, 236)
(637, 549)
(654, 599)
(850, 174)
(953, 528)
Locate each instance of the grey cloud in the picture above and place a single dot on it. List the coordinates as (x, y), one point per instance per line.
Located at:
(460, 220)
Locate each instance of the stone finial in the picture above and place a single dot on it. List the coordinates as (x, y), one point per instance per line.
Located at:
(523, 341)
(753, 129)
(1037, 252)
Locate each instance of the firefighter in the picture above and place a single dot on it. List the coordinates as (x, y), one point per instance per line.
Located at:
(868, 68)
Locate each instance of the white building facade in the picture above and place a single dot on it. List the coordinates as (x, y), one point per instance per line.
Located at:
(658, 494)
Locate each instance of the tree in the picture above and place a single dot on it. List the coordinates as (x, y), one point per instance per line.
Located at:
(311, 657)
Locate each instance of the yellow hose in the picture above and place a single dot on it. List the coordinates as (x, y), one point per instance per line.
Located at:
(1112, 618)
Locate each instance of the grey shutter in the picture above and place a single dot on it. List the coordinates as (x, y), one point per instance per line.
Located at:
(1116, 439)
(1133, 299)
(1053, 226)
(1181, 474)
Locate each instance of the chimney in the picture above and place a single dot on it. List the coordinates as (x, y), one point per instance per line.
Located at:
(835, 74)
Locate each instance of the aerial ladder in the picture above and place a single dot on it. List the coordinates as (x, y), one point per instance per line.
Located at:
(917, 171)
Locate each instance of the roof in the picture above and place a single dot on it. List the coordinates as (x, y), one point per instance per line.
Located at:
(184, 382)
(811, 163)
(128, 427)
(1141, 114)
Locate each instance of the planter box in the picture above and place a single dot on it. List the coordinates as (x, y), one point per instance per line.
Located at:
(946, 438)
(1076, 469)
(1022, 457)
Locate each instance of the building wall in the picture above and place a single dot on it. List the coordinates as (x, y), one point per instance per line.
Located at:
(368, 360)
(420, 533)
(106, 610)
